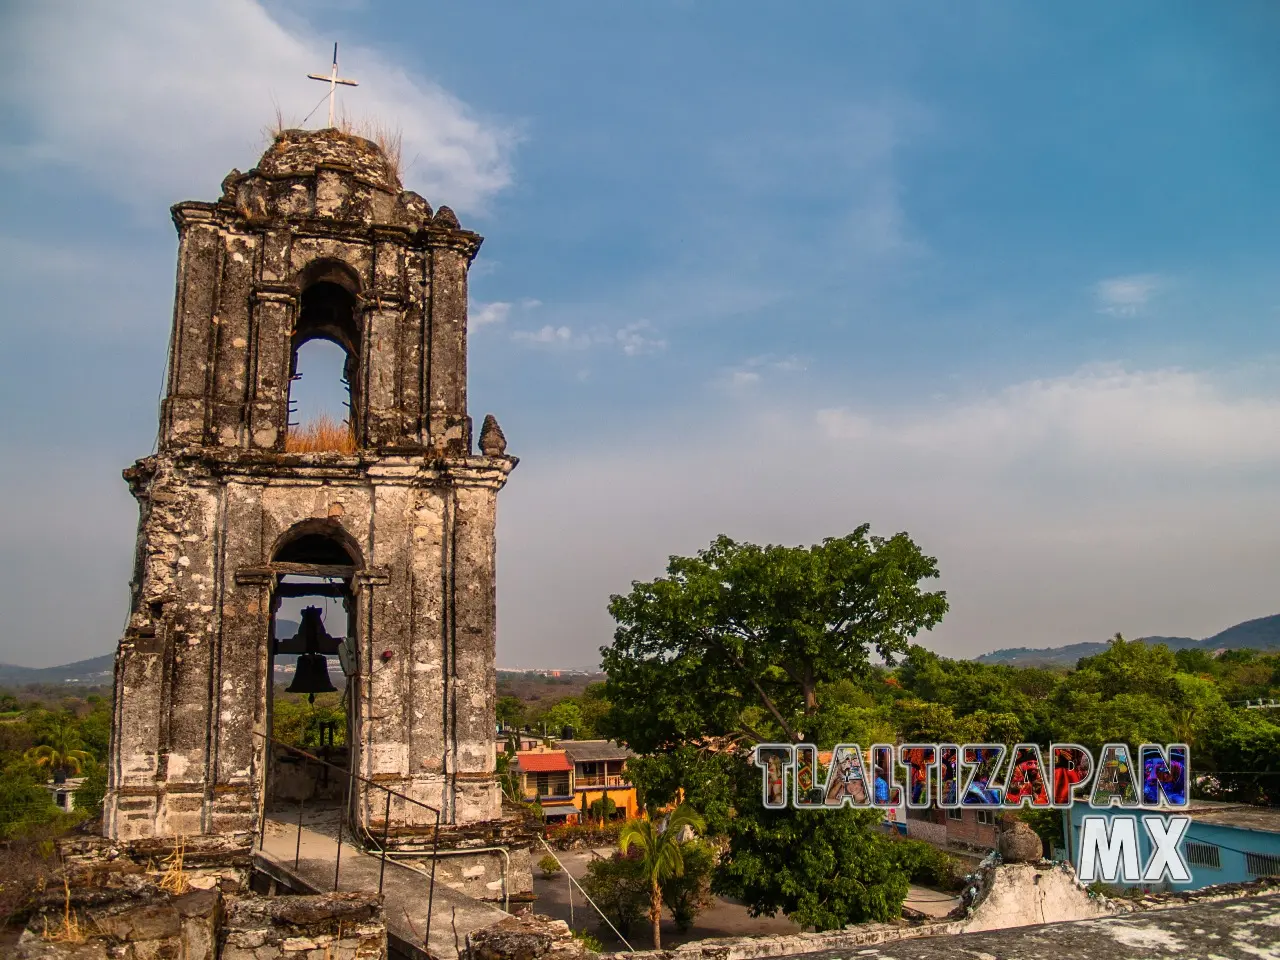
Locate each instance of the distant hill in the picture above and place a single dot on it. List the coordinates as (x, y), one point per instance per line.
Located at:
(97, 671)
(1260, 634)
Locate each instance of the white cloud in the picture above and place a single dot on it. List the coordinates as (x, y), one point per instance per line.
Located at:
(1060, 509)
(636, 341)
(752, 370)
(488, 313)
(545, 335)
(156, 100)
(1126, 296)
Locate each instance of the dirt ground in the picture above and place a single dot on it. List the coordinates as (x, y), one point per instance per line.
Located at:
(725, 919)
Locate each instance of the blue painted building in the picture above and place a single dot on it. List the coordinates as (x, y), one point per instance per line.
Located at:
(1226, 842)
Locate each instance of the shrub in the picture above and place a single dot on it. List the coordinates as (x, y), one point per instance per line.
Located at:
(603, 808)
(620, 889)
(928, 866)
(549, 865)
(588, 940)
(690, 893)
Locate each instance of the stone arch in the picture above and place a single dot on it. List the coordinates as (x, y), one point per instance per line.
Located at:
(329, 310)
(319, 539)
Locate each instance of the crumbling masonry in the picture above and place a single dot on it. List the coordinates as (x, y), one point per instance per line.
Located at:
(318, 241)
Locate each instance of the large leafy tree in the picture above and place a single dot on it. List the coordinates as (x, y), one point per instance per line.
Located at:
(824, 869)
(661, 851)
(740, 639)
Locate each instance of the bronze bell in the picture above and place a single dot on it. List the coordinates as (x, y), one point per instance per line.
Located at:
(311, 675)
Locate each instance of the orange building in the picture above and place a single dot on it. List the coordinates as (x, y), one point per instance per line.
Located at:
(566, 781)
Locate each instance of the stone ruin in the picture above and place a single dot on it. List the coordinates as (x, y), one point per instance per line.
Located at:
(319, 241)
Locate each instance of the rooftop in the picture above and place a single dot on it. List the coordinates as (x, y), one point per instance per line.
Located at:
(1225, 930)
(1243, 816)
(586, 751)
(545, 761)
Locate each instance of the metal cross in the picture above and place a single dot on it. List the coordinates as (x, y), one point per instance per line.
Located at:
(333, 80)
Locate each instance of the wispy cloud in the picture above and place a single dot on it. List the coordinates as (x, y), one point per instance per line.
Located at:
(1153, 493)
(155, 100)
(1128, 295)
(547, 335)
(753, 370)
(633, 339)
(485, 314)
(637, 339)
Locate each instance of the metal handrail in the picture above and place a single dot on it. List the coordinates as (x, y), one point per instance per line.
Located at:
(346, 801)
(600, 780)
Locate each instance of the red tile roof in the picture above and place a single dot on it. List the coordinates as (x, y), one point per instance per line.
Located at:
(553, 761)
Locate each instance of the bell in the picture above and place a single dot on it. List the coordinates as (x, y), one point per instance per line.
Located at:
(311, 675)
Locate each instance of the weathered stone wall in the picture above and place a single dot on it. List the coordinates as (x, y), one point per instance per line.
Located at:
(412, 506)
(331, 926)
(320, 205)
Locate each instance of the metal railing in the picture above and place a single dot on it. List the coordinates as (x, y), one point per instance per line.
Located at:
(600, 780)
(359, 834)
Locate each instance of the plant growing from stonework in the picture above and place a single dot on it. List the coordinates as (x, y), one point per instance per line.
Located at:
(661, 854)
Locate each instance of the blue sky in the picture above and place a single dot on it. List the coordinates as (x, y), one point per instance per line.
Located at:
(1001, 275)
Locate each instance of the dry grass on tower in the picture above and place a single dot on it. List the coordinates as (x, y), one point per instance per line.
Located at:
(321, 435)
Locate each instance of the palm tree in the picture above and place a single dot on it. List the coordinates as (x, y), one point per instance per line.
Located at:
(660, 848)
(62, 748)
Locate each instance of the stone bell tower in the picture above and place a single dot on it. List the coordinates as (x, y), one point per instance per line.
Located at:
(318, 241)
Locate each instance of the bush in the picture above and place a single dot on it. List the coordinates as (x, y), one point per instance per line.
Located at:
(549, 865)
(928, 866)
(589, 941)
(89, 795)
(565, 835)
(690, 893)
(620, 889)
(603, 808)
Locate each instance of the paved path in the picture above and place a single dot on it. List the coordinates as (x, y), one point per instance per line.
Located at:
(405, 890)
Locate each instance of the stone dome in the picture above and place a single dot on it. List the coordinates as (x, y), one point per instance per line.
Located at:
(300, 152)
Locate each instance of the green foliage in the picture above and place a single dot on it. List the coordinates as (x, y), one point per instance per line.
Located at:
(741, 629)
(928, 866)
(90, 794)
(823, 869)
(689, 893)
(549, 865)
(706, 779)
(589, 941)
(620, 889)
(661, 852)
(299, 723)
(1046, 823)
(603, 808)
(510, 712)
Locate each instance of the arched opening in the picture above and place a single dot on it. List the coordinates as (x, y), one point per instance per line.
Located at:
(323, 387)
(313, 660)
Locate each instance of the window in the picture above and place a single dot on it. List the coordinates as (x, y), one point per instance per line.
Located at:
(1202, 855)
(553, 784)
(1262, 864)
(987, 818)
(955, 814)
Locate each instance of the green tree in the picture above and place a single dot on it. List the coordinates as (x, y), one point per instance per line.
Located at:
(825, 868)
(618, 886)
(61, 748)
(661, 854)
(510, 711)
(89, 795)
(689, 893)
(741, 626)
